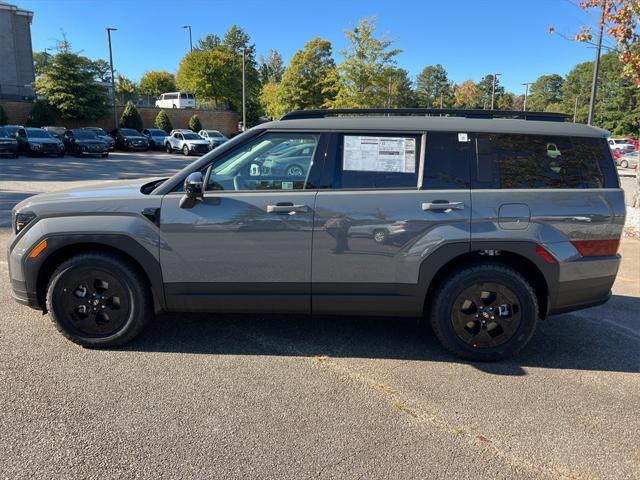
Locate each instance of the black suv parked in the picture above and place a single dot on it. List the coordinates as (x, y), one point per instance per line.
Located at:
(37, 141)
(8, 143)
(130, 139)
(85, 142)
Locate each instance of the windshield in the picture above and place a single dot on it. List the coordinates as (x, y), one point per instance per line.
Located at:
(84, 135)
(11, 131)
(157, 132)
(129, 132)
(3, 132)
(192, 136)
(215, 133)
(97, 131)
(37, 133)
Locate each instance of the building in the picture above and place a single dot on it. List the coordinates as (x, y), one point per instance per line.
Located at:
(16, 55)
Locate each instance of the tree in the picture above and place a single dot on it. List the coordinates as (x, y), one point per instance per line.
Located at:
(41, 115)
(236, 39)
(433, 88)
(484, 88)
(157, 82)
(506, 101)
(209, 42)
(399, 88)
(271, 100)
(194, 123)
(366, 60)
(67, 83)
(465, 95)
(125, 85)
(101, 70)
(39, 62)
(271, 67)
(307, 81)
(546, 90)
(3, 116)
(131, 118)
(163, 122)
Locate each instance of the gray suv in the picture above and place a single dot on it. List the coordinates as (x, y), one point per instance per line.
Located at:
(493, 221)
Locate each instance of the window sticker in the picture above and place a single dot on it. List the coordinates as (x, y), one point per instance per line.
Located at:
(379, 154)
(463, 137)
(287, 185)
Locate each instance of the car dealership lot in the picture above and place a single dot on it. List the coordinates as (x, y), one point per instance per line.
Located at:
(200, 396)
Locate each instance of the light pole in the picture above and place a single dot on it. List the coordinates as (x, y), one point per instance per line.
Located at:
(526, 95)
(113, 80)
(244, 96)
(190, 40)
(596, 68)
(493, 88)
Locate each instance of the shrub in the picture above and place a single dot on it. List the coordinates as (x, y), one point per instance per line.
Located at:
(3, 116)
(194, 123)
(163, 122)
(131, 118)
(41, 115)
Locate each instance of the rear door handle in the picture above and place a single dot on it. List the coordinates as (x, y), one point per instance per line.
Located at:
(441, 206)
(287, 208)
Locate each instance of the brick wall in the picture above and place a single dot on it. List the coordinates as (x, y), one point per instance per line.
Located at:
(226, 122)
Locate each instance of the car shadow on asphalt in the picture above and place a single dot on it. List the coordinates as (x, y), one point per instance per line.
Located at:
(570, 341)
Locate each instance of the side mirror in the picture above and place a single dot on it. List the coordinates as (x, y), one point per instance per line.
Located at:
(193, 189)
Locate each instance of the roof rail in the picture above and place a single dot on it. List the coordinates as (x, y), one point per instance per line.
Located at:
(450, 112)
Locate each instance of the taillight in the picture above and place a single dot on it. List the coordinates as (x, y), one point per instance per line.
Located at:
(597, 248)
(544, 254)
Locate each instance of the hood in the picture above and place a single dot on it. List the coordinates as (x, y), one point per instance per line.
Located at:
(44, 140)
(90, 141)
(198, 142)
(109, 196)
(134, 137)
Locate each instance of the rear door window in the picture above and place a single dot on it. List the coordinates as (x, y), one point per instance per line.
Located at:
(373, 161)
(448, 156)
(515, 161)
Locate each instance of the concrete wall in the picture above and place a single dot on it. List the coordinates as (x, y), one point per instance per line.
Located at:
(226, 122)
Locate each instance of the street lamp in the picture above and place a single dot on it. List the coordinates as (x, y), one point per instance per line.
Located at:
(113, 80)
(493, 88)
(526, 94)
(244, 97)
(190, 40)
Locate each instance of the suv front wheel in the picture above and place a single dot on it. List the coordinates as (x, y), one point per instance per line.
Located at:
(98, 300)
(484, 312)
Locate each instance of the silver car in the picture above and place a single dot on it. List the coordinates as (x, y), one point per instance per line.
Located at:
(629, 160)
(488, 229)
(188, 143)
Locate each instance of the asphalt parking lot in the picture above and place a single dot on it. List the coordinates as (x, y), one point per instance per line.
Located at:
(217, 396)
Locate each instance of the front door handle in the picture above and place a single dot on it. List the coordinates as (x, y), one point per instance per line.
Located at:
(287, 208)
(442, 206)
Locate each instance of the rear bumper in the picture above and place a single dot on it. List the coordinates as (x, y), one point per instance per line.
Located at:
(584, 283)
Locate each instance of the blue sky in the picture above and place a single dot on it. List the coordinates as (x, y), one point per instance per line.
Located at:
(470, 38)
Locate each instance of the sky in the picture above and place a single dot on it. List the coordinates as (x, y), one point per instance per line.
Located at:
(470, 38)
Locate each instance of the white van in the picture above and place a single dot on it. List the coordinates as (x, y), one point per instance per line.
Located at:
(176, 100)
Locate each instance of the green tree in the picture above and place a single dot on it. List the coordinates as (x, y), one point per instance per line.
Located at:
(156, 82)
(271, 67)
(507, 101)
(163, 122)
(361, 74)
(307, 81)
(546, 90)
(209, 42)
(433, 88)
(41, 115)
(67, 83)
(236, 39)
(131, 118)
(125, 85)
(101, 70)
(194, 123)
(483, 91)
(40, 60)
(399, 88)
(271, 100)
(3, 116)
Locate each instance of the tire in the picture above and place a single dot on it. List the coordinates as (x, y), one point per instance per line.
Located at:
(465, 329)
(15, 155)
(185, 151)
(380, 236)
(111, 320)
(105, 155)
(624, 164)
(61, 154)
(295, 171)
(168, 148)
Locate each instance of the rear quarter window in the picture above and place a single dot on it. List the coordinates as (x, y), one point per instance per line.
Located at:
(510, 161)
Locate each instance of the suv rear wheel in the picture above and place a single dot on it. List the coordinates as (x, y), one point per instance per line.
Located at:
(98, 300)
(484, 312)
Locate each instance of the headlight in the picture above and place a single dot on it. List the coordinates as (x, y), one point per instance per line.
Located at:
(22, 219)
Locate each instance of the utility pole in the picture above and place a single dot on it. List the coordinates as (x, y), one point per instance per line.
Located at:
(389, 102)
(526, 94)
(596, 68)
(441, 99)
(493, 88)
(190, 40)
(244, 100)
(575, 110)
(113, 80)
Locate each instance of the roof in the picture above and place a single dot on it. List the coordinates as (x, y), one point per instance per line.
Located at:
(431, 123)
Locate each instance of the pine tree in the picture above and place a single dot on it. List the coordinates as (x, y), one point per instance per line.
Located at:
(41, 115)
(163, 122)
(194, 123)
(131, 118)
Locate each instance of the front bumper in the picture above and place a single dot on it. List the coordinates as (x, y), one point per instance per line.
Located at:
(21, 295)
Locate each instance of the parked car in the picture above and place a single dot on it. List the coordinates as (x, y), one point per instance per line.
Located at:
(214, 137)
(176, 100)
(187, 142)
(221, 235)
(37, 141)
(103, 135)
(130, 139)
(290, 161)
(628, 160)
(156, 137)
(620, 145)
(12, 130)
(8, 143)
(183, 130)
(84, 142)
(57, 132)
